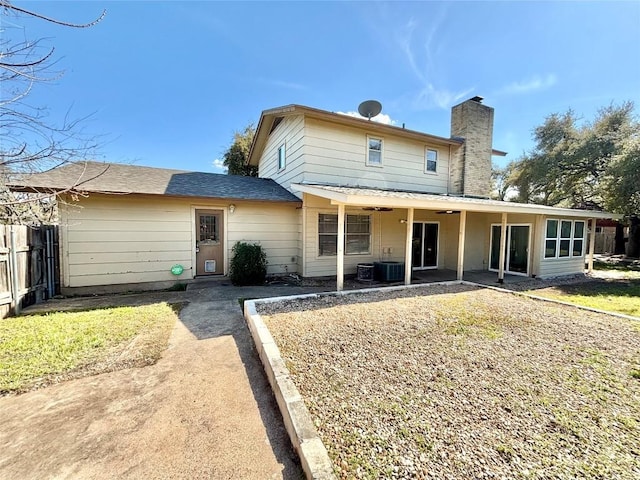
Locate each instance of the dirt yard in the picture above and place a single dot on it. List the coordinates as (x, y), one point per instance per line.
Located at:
(457, 382)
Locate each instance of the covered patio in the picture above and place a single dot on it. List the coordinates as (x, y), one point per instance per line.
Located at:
(481, 244)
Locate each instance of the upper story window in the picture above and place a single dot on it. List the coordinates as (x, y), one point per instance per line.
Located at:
(282, 157)
(374, 151)
(430, 160)
(564, 238)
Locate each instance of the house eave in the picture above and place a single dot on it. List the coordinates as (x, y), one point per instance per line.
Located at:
(268, 116)
(425, 201)
(51, 191)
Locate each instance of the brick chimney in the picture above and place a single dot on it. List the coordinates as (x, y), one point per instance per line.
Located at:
(470, 172)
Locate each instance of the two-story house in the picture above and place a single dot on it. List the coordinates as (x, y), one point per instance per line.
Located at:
(334, 191)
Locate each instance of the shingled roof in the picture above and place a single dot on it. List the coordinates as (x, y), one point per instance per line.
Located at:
(100, 177)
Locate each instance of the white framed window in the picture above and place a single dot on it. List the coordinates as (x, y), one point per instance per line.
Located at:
(282, 157)
(551, 239)
(430, 160)
(374, 151)
(564, 238)
(577, 249)
(357, 235)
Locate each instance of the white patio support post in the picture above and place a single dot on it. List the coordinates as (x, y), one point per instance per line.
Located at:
(408, 247)
(592, 244)
(461, 239)
(503, 248)
(340, 266)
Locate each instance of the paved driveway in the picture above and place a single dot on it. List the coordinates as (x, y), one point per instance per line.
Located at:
(205, 410)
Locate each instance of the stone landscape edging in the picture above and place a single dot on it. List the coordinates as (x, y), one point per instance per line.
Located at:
(313, 454)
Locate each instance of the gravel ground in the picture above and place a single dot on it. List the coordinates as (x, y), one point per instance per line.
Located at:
(458, 383)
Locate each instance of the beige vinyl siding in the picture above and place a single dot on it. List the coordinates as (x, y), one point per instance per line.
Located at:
(273, 226)
(561, 266)
(477, 241)
(338, 156)
(115, 239)
(111, 239)
(289, 132)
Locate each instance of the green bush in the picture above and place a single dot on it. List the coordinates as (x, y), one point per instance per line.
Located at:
(248, 264)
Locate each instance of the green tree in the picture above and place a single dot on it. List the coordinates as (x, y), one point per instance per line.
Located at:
(580, 166)
(589, 165)
(236, 157)
(502, 181)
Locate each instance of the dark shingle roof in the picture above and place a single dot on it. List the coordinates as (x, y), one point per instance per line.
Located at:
(119, 178)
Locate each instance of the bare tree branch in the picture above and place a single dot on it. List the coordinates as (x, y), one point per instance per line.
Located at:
(30, 141)
(8, 5)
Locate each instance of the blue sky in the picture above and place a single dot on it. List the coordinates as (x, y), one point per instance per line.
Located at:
(167, 83)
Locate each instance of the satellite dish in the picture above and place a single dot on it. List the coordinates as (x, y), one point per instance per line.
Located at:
(370, 108)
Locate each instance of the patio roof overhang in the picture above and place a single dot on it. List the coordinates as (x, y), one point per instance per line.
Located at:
(368, 197)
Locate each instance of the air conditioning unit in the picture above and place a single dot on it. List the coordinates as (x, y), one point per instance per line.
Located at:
(388, 271)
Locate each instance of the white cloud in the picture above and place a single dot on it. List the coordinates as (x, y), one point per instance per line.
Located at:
(532, 84)
(283, 84)
(441, 98)
(424, 51)
(218, 166)
(380, 118)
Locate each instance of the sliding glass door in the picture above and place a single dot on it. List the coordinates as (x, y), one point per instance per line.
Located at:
(517, 249)
(424, 252)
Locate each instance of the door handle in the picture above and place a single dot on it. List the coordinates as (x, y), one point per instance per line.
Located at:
(197, 249)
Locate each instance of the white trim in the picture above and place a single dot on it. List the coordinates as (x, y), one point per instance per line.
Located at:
(282, 147)
(592, 243)
(426, 151)
(408, 241)
(507, 244)
(367, 161)
(462, 233)
(340, 248)
(558, 238)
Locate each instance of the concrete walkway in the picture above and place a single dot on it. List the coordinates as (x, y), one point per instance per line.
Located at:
(205, 410)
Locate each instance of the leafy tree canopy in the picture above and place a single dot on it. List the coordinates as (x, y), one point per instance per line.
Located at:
(237, 155)
(589, 165)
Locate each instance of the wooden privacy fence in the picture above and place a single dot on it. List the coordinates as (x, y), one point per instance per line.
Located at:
(29, 269)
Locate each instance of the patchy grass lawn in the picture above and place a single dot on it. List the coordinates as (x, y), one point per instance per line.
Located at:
(42, 349)
(458, 383)
(620, 296)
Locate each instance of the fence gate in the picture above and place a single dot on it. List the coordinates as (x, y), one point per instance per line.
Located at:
(29, 269)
